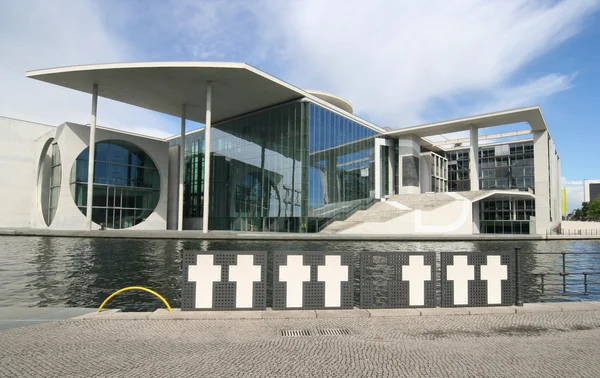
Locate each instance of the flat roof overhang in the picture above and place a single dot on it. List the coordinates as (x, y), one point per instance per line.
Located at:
(531, 115)
(237, 88)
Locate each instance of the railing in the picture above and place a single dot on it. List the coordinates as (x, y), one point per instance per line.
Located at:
(574, 232)
(346, 214)
(564, 280)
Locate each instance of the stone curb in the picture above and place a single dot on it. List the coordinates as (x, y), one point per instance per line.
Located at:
(177, 314)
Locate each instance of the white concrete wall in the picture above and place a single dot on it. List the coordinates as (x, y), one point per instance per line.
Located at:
(576, 225)
(555, 195)
(408, 146)
(173, 191)
(18, 160)
(425, 172)
(74, 138)
(453, 218)
(542, 181)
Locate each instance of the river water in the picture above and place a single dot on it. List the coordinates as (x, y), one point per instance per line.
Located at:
(80, 272)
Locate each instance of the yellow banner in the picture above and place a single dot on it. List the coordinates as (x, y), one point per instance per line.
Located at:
(564, 201)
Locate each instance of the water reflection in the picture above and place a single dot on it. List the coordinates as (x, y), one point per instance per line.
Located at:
(43, 271)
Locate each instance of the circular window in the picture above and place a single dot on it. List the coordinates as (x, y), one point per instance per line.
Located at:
(126, 184)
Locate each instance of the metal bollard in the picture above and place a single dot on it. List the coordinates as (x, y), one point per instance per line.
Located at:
(518, 288)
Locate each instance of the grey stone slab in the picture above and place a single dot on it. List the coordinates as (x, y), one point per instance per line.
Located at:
(491, 310)
(538, 307)
(374, 313)
(102, 314)
(289, 314)
(355, 313)
(11, 324)
(444, 311)
(578, 306)
(177, 314)
(121, 316)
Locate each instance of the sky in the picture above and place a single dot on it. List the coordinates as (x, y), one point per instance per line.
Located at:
(399, 62)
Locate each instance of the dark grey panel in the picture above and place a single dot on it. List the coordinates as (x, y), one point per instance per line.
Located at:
(313, 291)
(381, 281)
(410, 171)
(224, 292)
(594, 191)
(477, 288)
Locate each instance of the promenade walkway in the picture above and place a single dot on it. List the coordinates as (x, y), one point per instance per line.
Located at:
(536, 341)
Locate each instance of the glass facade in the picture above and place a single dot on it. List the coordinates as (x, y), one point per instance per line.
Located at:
(459, 179)
(507, 166)
(342, 166)
(289, 168)
(501, 167)
(505, 216)
(126, 184)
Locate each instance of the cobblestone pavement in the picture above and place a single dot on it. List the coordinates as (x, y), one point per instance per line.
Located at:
(523, 345)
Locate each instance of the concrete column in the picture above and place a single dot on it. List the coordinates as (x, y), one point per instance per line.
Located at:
(378, 143)
(205, 213)
(390, 177)
(542, 181)
(474, 158)
(409, 151)
(91, 158)
(333, 185)
(181, 169)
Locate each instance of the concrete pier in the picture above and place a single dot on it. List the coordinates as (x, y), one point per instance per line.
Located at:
(275, 236)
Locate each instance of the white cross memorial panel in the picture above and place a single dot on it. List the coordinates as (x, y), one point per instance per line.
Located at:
(223, 280)
(397, 279)
(477, 278)
(312, 280)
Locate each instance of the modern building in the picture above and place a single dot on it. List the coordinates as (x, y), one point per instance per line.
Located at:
(271, 157)
(591, 190)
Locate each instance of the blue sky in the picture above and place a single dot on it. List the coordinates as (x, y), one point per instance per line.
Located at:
(399, 62)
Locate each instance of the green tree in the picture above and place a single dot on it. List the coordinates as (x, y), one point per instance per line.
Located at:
(593, 209)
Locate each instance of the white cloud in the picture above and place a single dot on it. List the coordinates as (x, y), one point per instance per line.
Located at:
(574, 193)
(42, 34)
(393, 59)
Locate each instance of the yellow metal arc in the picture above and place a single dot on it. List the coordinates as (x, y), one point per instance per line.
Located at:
(135, 288)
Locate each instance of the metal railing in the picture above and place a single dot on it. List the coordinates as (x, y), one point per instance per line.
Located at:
(574, 232)
(564, 280)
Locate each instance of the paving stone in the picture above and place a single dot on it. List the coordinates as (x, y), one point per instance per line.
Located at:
(541, 344)
(537, 307)
(491, 310)
(289, 314)
(384, 312)
(440, 311)
(578, 306)
(355, 313)
(102, 314)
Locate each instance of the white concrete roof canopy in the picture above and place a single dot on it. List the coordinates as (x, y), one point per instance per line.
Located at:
(332, 99)
(531, 115)
(237, 88)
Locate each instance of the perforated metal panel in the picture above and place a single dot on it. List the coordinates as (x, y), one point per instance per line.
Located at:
(382, 284)
(223, 291)
(313, 290)
(478, 287)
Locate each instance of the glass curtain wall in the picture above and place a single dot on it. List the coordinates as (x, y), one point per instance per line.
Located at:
(126, 184)
(458, 171)
(284, 169)
(503, 167)
(341, 167)
(256, 171)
